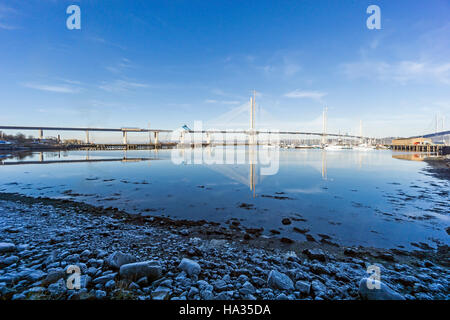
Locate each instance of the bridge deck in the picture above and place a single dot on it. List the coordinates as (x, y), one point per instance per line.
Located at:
(142, 130)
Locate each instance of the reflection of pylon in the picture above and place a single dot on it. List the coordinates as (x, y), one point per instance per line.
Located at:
(252, 118)
(324, 124)
(252, 179)
(248, 175)
(324, 165)
(252, 182)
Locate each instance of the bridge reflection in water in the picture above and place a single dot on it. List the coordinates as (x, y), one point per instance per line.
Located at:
(250, 173)
(5, 162)
(246, 173)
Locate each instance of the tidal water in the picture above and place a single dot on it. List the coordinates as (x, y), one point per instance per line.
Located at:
(373, 198)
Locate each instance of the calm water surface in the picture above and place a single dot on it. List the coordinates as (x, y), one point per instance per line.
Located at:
(356, 198)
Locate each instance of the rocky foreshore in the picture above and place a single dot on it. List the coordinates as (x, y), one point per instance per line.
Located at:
(120, 257)
(439, 167)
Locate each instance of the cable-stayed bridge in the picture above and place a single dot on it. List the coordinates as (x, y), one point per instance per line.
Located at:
(230, 120)
(227, 120)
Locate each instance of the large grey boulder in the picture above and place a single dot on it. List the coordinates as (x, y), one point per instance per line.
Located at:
(134, 271)
(7, 247)
(383, 293)
(278, 280)
(189, 266)
(117, 259)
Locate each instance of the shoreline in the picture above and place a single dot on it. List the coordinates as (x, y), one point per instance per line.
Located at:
(234, 262)
(439, 167)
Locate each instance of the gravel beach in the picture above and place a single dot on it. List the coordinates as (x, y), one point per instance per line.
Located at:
(121, 256)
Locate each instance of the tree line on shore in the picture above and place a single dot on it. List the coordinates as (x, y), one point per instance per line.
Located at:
(18, 137)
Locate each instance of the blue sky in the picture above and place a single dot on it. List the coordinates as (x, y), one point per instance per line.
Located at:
(174, 62)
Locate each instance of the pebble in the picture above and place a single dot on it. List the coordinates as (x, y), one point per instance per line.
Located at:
(318, 288)
(53, 275)
(7, 247)
(189, 266)
(278, 280)
(100, 294)
(161, 293)
(303, 287)
(316, 254)
(104, 279)
(117, 259)
(370, 289)
(134, 271)
(110, 285)
(247, 289)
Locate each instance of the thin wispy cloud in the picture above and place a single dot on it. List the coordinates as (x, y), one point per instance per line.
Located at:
(284, 69)
(229, 102)
(122, 86)
(218, 92)
(51, 88)
(70, 81)
(291, 68)
(402, 72)
(105, 42)
(283, 63)
(120, 66)
(299, 94)
(7, 26)
(5, 14)
(435, 42)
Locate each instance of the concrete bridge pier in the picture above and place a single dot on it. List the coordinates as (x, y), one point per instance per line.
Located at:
(156, 136)
(125, 140)
(87, 137)
(41, 134)
(182, 137)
